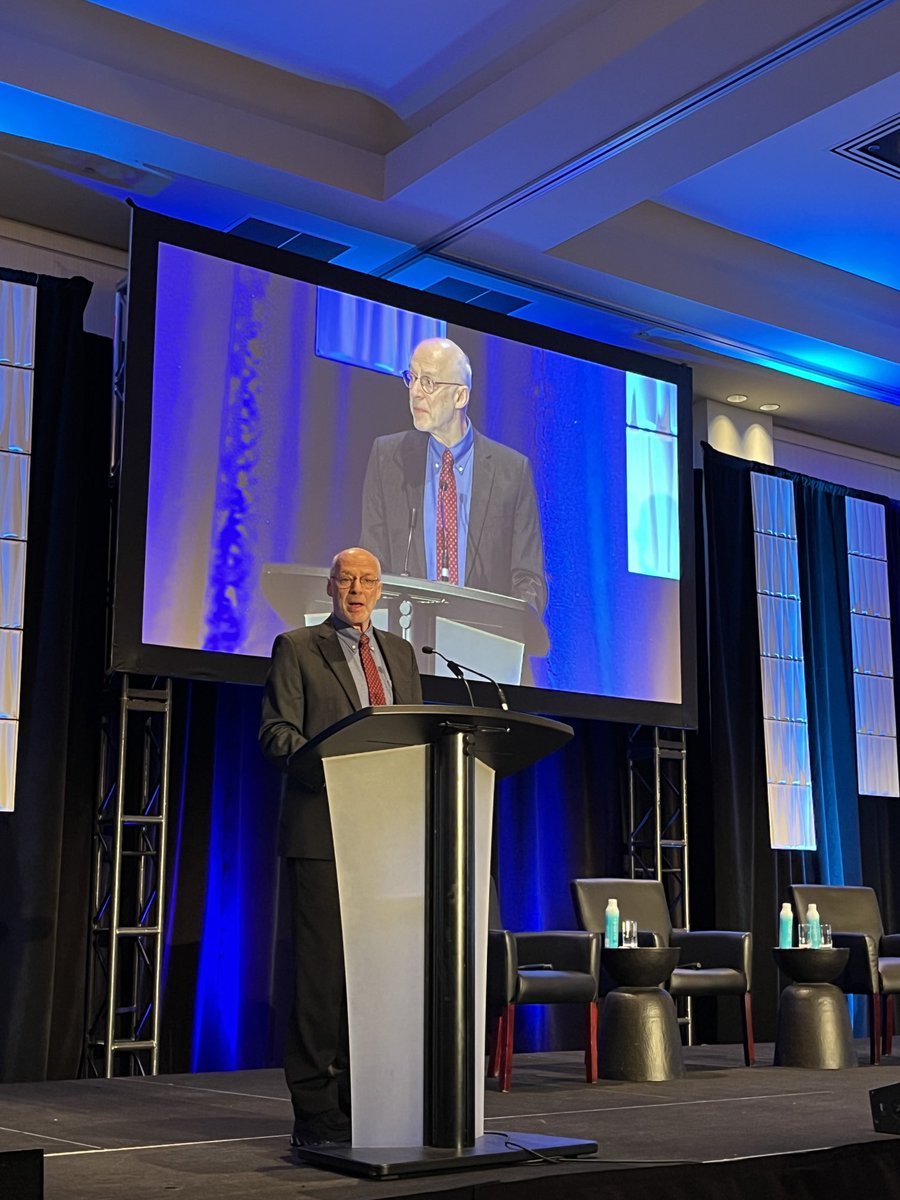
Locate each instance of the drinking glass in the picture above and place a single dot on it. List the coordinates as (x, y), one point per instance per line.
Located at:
(803, 936)
(629, 934)
(826, 935)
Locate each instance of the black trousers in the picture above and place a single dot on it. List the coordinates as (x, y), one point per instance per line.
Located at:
(317, 1052)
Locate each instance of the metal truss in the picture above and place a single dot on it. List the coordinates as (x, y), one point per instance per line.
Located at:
(128, 886)
(657, 821)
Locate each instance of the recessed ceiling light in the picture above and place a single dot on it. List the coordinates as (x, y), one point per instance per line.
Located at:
(769, 407)
(737, 398)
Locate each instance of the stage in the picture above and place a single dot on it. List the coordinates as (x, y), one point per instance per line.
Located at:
(724, 1131)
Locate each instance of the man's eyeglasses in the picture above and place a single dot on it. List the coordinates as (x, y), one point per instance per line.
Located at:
(426, 383)
(346, 581)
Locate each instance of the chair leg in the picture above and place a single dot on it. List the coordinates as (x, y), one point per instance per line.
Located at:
(747, 1021)
(887, 1027)
(494, 1034)
(505, 1039)
(874, 1030)
(590, 1041)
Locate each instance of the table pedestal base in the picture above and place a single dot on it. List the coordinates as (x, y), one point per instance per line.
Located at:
(814, 1028)
(639, 1038)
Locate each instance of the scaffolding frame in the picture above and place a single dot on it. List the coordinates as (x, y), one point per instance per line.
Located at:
(656, 845)
(127, 915)
(128, 884)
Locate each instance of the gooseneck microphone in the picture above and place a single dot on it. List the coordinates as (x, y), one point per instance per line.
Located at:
(458, 671)
(454, 667)
(412, 524)
(500, 693)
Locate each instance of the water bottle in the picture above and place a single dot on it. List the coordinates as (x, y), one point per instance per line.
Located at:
(612, 925)
(815, 927)
(785, 927)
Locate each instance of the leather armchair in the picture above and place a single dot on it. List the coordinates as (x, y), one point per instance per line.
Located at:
(551, 967)
(873, 968)
(713, 962)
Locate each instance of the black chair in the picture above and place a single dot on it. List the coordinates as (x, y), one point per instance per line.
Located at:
(873, 969)
(722, 957)
(553, 967)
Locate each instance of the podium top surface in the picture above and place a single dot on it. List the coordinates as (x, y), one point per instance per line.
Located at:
(505, 741)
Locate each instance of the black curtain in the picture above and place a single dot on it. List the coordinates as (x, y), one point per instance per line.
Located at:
(45, 844)
(192, 748)
(227, 971)
(749, 880)
(828, 659)
(855, 834)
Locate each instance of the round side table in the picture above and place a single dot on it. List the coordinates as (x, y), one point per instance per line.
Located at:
(813, 1020)
(639, 1037)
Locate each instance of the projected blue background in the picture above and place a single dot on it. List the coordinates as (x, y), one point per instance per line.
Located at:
(259, 448)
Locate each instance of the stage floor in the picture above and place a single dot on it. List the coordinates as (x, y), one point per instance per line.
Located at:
(225, 1136)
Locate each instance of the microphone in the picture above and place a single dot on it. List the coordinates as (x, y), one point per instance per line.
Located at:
(500, 693)
(412, 525)
(454, 667)
(457, 671)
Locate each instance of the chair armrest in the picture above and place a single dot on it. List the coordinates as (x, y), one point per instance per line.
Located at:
(566, 949)
(890, 946)
(860, 976)
(715, 948)
(502, 968)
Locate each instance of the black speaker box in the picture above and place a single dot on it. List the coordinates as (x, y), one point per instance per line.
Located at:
(22, 1175)
(885, 1103)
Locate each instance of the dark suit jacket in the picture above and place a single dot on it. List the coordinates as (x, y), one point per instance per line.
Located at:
(309, 687)
(505, 549)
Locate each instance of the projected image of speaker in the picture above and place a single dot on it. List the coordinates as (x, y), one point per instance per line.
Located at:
(279, 407)
(885, 1103)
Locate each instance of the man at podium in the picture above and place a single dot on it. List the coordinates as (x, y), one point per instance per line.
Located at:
(444, 502)
(318, 676)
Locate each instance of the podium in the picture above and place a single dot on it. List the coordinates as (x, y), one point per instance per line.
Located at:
(410, 791)
(465, 624)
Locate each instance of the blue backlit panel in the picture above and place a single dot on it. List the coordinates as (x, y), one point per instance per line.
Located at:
(776, 563)
(873, 668)
(652, 460)
(789, 780)
(874, 705)
(12, 583)
(773, 512)
(10, 669)
(871, 641)
(651, 417)
(352, 329)
(651, 404)
(865, 529)
(18, 309)
(15, 409)
(868, 585)
(784, 690)
(14, 471)
(780, 634)
(9, 738)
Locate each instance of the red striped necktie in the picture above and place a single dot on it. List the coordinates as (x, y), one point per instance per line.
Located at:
(445, 525)
(373, 679)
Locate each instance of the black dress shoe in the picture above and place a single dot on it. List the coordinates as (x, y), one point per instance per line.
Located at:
(329, 1128)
